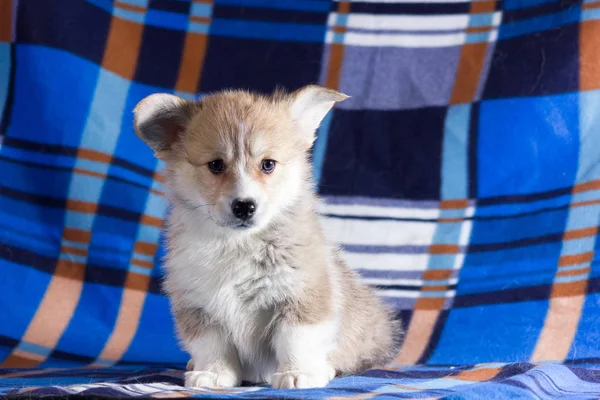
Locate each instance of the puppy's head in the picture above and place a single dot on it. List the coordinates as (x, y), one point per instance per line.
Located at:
(236, 159)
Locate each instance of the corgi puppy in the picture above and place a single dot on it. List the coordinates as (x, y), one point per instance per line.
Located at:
(257, 292)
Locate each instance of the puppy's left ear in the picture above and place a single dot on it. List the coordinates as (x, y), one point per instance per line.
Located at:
(311, 104)
(160, 120)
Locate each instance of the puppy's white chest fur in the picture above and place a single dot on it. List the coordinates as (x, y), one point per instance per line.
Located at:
(238, 286)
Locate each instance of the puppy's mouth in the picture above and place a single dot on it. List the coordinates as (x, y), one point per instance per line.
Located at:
(243, 225)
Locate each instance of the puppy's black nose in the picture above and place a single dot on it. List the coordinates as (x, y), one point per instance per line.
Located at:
(243, 209)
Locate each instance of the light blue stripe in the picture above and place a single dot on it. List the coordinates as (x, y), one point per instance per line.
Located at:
(321, 147)
(479, 20)
(85, 188)
(574, 267)
(589, 136)
(436, 282)
(78, 220)
(73, 258)
(539, 24)
(569, 279)
(143, 257)
(585, 196)
(140, 270)
(201, 10)
(103, 126)
(34, 348)
(455, 152)
(578, 246)
(441, 294)
(129, 15)
(156, 205)
(268, 30)
(307, 5)
(77, 245)
(592, 14)
(341, 19)
(5, 63)
(478, 37)
(94, 166)
(167, 19)
(198, 27)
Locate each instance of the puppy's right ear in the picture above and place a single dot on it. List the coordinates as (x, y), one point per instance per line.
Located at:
(160, 119)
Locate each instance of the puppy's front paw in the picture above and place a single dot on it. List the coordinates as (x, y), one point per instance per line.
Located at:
(210, 379)
(301, 379)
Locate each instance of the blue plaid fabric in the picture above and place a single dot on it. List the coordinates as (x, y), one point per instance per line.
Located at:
(462, 178)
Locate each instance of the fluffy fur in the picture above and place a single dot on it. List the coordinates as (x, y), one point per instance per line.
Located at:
(269, 299)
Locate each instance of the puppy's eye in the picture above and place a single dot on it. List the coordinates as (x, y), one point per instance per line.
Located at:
(216, 166)
(267, 166)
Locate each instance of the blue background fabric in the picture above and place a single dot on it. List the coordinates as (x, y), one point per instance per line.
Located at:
(462, 178)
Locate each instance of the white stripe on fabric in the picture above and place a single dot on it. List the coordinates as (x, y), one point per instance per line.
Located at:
(400, 40)
(377, 22)
(359, 210)
(377, 233)
(387, 262)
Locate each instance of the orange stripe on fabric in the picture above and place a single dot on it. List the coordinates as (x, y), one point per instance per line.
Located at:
(559, 328)
(73, 250)
(76, 235)
(146, 248)
(580, 233)
(576, 259)
(591, 185)
(573, 272)
(443, 249)
(334, 67)
(482, 7)
(132, 301)
(129, 7)
(472, 57)
(57, 306)
(82, 206)
(94, 155)
(569, 289)
(429, 303)
(122, 47)
(590, 6)
(19, 359)
(152, 221)
(417, 336)
(191, 64)
(478, 29)
(89, 173)
(478, 375)
(142, 263)
(454, 204)
(6, 15)
(437, 274)
(200, 20)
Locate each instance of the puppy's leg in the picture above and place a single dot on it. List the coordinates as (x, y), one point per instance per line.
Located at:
(215, 361)
(302, 354)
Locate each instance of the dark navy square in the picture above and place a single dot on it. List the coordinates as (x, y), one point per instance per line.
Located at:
(537, 64)
(394, 154)
(160, 53)
(259, 65)
(79, 28)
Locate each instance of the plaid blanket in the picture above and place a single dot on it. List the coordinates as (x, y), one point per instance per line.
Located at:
(518, 381)
(462, 178)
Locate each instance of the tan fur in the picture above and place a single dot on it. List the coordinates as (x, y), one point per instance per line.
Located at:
(297, 278)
